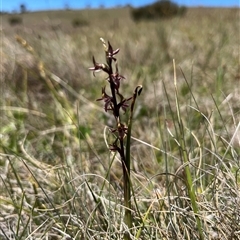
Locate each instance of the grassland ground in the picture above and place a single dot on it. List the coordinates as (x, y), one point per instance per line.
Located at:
(58, 178)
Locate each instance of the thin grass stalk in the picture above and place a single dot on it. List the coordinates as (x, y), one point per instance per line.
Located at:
(25, 229)
(145, 218)
(19, 222)
(183, 152)
(99, 205)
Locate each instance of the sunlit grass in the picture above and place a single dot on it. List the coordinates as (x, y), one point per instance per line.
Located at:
(58, 178)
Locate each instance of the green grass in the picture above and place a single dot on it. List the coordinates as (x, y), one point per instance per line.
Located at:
(58, 178)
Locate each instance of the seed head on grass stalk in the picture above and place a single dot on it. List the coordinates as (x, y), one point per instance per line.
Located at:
(117, 104)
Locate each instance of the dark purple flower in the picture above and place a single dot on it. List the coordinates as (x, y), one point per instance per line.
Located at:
(107, 100)
(114, 147)
(98, 67)
(122, 131)
(123, 104)
(111, 53)
(116, 78)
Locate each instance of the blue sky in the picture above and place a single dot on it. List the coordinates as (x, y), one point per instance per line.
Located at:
(34, 5)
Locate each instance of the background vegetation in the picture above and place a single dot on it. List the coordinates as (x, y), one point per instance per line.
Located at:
(58, 178)
(159, 9)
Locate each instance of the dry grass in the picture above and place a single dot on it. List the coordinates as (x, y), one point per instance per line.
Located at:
(59, 181)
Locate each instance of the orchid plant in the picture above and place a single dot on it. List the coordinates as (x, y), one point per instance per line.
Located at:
(117, 104)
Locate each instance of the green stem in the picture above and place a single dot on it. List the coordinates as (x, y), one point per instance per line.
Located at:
(183, 152)
(126, 172)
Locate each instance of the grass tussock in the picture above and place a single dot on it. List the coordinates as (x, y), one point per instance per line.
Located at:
(59, 179)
